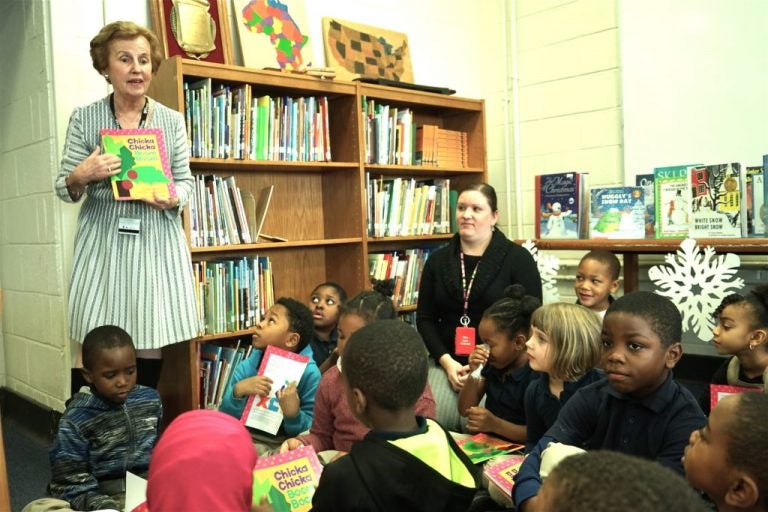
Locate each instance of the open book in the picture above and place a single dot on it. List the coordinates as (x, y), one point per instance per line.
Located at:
(144, 166)
(257, 213)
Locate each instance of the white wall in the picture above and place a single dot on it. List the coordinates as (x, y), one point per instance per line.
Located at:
(695, 82)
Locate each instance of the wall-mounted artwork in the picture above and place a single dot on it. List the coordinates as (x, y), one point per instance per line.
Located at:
(193, 29)
(356, 50)
(273, 34)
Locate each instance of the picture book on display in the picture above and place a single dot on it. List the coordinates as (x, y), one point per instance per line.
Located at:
(502, 473)
(672, 187)
(715, 202)
(560, 207)
(718, 391)
(752, 200)
(283, 367)
(288, 480)
(144, 166)
(482, 447)
(617, 212)
(649, 195)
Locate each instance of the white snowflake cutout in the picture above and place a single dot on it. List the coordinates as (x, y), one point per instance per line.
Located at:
(548, 266)
(696, 281)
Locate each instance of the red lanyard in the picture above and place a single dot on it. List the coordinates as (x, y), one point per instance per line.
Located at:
(466, 288)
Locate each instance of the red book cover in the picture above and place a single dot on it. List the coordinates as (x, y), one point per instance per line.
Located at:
(283, 367)
(502, 473)
(718, 391)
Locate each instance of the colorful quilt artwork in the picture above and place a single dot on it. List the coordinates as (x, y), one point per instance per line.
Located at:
(273, 34)
(360, 50)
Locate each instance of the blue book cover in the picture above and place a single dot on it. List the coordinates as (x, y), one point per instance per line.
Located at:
(649, 197)
(617, 212)
(558, 198)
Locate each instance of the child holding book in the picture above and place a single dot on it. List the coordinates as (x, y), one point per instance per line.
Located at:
(742, 332)
(639, 409)
(505, 375)
(564, 347)
(726, 459)
(287, 325)
(334, 426)
(406, 462)
(325, 303)
(104, 432)
(608, 481)
(597, 279)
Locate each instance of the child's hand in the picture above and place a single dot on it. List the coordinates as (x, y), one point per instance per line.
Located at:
(478, 356)
(480, 419)
(290, 444)
(257, 385)
(288, 396)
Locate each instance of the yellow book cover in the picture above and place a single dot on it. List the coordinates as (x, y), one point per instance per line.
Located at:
(288, 480)
(144, 166)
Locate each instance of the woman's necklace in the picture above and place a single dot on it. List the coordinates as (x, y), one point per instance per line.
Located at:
(144, 111)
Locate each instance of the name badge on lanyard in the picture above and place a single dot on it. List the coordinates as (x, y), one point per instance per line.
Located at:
(464, 340)
(128, 226)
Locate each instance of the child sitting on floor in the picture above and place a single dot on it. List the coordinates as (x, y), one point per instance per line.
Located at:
(639, 408)
(104, 432)
(334, 427)
(505, 374)
(287, 325)
(727, 458)
(742, 332)
(565, 347)
(325, 303)
(607, 481)
(406, 462)
(597, 278)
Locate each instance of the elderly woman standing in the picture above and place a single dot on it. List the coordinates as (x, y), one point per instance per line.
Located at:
(140, 281)
(460, 281)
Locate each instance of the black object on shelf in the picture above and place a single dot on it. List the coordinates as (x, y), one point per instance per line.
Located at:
(406, 85)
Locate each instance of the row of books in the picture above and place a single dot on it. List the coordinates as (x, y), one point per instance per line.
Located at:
(725, 200)
(217, 365)
(393, 138)
(221, 213)
(233, 294)
(406, 207)
(404, 267)
(229, 122)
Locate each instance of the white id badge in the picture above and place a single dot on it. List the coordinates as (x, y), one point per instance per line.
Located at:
(128, 226)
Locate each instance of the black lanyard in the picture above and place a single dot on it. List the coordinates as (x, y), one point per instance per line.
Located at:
(466, 288)
(144, 112)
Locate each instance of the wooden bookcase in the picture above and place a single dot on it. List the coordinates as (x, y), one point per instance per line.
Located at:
(319, 207)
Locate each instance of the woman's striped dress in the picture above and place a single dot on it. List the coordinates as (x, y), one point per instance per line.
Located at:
(142, 283)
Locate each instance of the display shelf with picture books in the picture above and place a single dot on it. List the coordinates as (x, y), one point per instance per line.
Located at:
(315, 228)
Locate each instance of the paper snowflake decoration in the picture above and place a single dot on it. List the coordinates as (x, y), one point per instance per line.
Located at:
(696, 280)
(548, 266)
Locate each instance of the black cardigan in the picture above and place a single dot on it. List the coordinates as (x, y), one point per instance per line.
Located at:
(441, 297)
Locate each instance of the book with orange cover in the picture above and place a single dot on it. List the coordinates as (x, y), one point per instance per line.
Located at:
(288, 480)
(144, 166)
(482, 447)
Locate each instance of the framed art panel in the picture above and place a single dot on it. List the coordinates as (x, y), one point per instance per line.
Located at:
(193, 29)
(355, 50)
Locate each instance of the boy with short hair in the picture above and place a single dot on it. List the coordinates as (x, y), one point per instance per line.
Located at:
(606, 481)
(288, 324)
(405, 462)
(105, 432)
(597, 279)
(638, 408)
(726, 459)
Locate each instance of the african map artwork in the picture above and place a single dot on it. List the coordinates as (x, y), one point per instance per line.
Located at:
(357, 50)
(273, 34)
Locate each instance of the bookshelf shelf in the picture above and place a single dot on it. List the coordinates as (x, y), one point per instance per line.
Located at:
(631, 249)
(320, 207)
